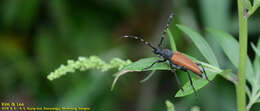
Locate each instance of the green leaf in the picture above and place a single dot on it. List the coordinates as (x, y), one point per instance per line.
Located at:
(173, 45)
(257, 65)
(146, 62)
(201, 44)
(170, 106)
(258, 100)
(231, 49)
(148, 77)
(227, 42)
(138, 66)
(257, 51)
(248, 92)
(256, 3)
(198, 83)
(195, 108)
(247, 4)
(254, 8)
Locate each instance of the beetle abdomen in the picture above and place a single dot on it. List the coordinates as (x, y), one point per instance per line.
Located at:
(181, 60)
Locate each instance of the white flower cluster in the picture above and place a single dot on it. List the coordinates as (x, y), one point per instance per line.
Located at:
(84, 63)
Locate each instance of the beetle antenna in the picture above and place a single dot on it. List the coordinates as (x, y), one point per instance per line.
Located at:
(165, 29)
(140, 39)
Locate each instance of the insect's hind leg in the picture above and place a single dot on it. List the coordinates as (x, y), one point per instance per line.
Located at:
(186, 70)
(199, 64)
(176, 76)
(191, 83)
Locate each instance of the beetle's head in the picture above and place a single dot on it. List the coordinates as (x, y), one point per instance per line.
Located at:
(157, 51)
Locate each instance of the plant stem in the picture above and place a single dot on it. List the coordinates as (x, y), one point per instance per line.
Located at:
(240, 87)
(252, 100)
(252, 10)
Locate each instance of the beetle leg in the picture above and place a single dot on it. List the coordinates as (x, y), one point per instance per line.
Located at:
(177, 78)
(177, 66)
(158, 61)
(199, 64)
(191, 83)
(186, 70)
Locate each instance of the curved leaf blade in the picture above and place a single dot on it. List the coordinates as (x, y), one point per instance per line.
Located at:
(257, 65)
(170, 106)
(257, 51)
(247, 4)
(148, 77)
(172, 42)
(138, 66)
(146, 62)
(227, 42)
(198, 83)
(231, 49)
(201, 44)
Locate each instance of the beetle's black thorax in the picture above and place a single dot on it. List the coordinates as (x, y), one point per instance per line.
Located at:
(165, 53)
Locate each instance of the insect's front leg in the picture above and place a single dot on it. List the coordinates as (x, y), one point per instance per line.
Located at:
(158, 61)
(176, 76)
(191, 83)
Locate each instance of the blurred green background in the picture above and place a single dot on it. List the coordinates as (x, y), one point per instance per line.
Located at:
(36, 36)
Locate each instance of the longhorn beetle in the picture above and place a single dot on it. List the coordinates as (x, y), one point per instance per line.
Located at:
(175, 59)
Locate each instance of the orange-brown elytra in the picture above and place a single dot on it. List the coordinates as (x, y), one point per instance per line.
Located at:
(175, 59)
(182, 60)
